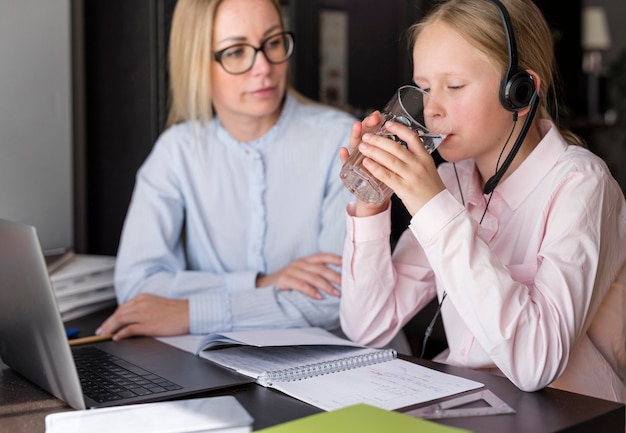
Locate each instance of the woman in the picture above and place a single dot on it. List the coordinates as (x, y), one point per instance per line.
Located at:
(523, 272)
(233, 221)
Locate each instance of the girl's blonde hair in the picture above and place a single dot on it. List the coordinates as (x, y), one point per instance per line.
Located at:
(480, 23)
(190, 57)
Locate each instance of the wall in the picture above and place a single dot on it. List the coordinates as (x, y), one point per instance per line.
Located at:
(121, 62)
(35, 117)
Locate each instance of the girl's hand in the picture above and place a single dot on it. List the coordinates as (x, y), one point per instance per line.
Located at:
(358, 129)
(369, 124)
(410, 172)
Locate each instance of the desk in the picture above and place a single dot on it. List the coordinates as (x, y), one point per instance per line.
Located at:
(23, 406)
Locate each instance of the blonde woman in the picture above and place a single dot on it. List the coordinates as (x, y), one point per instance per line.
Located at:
(235, 220)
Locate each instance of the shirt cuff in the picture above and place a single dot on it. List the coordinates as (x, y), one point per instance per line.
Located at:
(210, 312)
(370, 228)
(434, 216)
(239, 281)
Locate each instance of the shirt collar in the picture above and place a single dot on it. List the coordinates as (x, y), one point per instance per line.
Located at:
(516, 187)
(519, 184)
(266, 139)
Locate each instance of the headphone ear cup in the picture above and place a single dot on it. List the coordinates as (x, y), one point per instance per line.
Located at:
(516, 92)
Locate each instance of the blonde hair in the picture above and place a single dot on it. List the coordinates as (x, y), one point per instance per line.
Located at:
(190, 57)
(480, 23)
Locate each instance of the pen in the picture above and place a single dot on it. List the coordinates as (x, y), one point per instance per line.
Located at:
(91, 339)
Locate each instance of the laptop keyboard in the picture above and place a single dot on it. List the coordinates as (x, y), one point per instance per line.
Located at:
(105, 377)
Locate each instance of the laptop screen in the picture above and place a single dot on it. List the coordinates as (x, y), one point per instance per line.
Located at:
(32, 335)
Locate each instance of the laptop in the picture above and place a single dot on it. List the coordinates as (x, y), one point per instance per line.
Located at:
(33, 342)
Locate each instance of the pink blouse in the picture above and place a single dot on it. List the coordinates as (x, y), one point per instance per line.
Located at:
(532, 292)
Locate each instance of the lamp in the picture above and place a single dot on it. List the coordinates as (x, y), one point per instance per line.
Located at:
(595, 38)
(595, 35)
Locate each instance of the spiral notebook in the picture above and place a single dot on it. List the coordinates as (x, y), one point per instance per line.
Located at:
(324, 370)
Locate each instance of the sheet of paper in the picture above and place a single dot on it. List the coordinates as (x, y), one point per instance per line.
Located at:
(389, 385)
(276, 337)
(260, 338)
(188, 343)
(83, 265)
(223, 414)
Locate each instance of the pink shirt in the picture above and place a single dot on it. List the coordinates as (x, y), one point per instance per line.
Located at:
(530, 292)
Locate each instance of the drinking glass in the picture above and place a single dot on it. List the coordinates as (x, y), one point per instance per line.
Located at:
(406, 107)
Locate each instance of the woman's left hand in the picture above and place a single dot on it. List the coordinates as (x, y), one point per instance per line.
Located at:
(148, 314)
(309, 275)
(411, 173)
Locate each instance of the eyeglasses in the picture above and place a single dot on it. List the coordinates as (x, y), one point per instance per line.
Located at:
(239, 58)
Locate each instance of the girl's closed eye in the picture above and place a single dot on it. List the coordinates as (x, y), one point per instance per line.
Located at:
(447, 86)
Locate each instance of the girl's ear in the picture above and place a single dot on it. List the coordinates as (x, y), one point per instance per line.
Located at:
(537, 84)
(536, 79)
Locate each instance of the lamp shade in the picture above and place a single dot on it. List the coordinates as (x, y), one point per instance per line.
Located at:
(595, 29)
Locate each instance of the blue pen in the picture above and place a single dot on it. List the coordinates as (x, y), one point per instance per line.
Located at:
(72, 332)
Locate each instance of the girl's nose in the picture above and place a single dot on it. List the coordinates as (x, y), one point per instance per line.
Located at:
(435, 116)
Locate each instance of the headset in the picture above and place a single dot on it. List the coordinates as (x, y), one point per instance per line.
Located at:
(517, 91)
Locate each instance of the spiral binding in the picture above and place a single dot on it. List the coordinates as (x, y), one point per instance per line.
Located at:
(327, 367)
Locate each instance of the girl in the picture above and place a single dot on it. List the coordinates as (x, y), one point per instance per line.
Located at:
(524, 265)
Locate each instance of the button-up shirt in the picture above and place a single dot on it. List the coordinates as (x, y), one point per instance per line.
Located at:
(209, 213)
(530, 291)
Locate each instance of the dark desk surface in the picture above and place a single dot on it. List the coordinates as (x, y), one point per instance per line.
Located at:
(23, 406)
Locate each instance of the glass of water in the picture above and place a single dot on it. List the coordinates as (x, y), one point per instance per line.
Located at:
(406, 107)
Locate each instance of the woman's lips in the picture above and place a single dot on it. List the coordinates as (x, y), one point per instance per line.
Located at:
(264, 92)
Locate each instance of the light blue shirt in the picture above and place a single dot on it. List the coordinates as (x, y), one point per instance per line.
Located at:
(209, 213)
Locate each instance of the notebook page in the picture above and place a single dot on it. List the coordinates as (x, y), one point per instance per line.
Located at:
(389, 385)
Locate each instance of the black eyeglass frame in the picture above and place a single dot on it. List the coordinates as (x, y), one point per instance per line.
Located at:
(217, 56)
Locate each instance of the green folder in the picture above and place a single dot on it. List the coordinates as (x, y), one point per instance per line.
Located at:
(361, 418)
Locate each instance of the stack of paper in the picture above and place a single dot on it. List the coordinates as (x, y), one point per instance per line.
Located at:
(84, 285)
(57, 258)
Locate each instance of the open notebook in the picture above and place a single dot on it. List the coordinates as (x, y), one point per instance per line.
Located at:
(321, 369)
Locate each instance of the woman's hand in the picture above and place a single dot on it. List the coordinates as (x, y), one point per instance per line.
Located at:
(410, 172)
(308, 275)
(150, 315)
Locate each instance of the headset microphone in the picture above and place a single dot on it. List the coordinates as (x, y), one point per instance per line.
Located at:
(495, 179)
